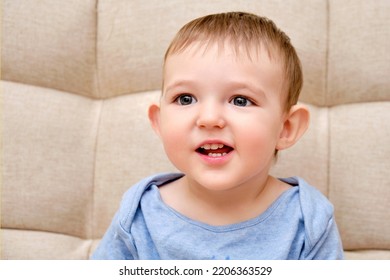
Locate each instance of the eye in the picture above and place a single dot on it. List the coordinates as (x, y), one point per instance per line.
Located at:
(241, 101)
(185, 99)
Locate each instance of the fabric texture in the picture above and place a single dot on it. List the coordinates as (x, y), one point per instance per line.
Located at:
(298, 225)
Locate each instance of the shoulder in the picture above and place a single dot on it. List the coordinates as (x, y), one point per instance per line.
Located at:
(132, 197)
(118, 242)
(316, 210)
(312, 201)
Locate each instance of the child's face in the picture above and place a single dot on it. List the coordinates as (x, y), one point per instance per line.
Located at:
(221, 116)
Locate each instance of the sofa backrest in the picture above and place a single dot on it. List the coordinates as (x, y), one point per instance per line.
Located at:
(78, 77)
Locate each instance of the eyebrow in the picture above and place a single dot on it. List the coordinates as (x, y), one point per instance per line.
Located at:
(179, 83)
(246, 86)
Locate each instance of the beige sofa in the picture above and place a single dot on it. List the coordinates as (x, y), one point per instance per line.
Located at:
(78, 76)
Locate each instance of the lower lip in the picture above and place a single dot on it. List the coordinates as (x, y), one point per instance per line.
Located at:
(216, 160)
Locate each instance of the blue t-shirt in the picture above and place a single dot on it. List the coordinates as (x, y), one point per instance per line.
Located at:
(298, 225)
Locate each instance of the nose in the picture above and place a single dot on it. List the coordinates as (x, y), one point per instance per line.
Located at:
(211, 115)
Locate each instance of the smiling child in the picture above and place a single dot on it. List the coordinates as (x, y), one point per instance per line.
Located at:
(229, 103)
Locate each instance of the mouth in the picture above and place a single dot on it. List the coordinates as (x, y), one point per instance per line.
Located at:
(214, 150)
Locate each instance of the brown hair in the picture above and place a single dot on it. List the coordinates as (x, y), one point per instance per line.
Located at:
(244, 30)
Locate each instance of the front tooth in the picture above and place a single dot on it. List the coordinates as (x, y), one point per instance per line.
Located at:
(206, 146)
(214, 146)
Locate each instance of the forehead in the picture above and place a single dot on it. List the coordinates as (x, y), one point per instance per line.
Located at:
(212, 65)
(232, 55)
(239, 50)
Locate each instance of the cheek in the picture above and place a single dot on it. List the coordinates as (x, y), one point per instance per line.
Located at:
(173, 147)
(174, 135)
(171, 138)
(258, 141)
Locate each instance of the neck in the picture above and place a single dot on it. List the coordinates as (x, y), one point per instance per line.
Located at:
(234, 205)
(232, 197)
(222, 207)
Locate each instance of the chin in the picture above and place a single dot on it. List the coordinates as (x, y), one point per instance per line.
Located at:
(214, 184)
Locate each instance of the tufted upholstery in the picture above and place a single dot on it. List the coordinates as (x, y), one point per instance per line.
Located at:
(77, 79)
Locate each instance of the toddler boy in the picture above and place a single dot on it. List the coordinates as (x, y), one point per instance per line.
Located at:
(229, 103)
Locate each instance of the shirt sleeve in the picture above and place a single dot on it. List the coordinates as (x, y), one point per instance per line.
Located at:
(328, 246)
(116, 244)
(322, 238)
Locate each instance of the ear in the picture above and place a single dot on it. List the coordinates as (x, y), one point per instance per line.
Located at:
(294, 126)
(154, 118)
